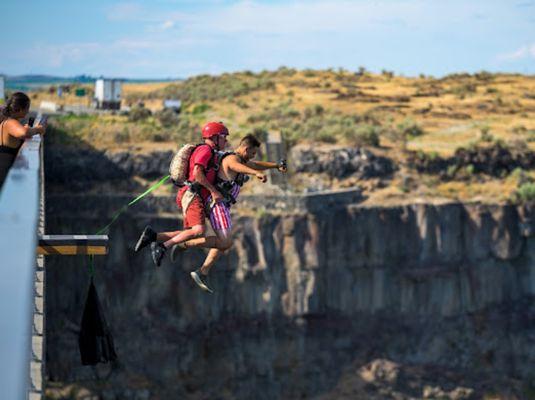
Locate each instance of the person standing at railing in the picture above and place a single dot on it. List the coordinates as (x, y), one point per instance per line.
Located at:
(12, 132)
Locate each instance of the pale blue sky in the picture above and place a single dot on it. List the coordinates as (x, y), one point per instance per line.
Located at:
(174, 38)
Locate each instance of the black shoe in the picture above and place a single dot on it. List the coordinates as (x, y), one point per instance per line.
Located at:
(200, 280)
(157, 251)
(176, 249)
(147, 236)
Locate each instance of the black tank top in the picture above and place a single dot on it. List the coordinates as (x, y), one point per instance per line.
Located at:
(240, 178)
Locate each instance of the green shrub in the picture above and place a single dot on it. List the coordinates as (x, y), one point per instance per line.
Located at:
(484, 76)
(519, 129)
(517, 145)
(278, 116)
(314, 110)
(167, 118)
(499, 101)
(367, 135)
(200, 108)
(158, 138)
(410, 129)
(452, 171)
(139, 114)
(470, 169)
(433, 155)
(405, 131)
(243, 104)
(499, 143)
(518, 174)
(387, 74)
(526, 193)
(405, 184)
(121, 136)
(325, 137)
(317, 124)
(484, 135)
(464, 89)
(204, 88)
(285, 71)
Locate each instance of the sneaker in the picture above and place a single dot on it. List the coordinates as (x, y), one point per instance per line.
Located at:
(157, 251)
(200, 280)
(147, 236)
(176, 249)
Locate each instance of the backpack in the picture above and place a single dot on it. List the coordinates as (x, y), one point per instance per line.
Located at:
(179, 167)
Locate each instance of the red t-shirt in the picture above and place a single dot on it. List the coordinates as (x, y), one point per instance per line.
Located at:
(202, 155)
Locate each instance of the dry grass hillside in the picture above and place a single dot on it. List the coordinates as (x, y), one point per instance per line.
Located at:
(403, 119)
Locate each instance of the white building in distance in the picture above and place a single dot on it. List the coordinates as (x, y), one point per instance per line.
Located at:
(108, 94)
(172, 104)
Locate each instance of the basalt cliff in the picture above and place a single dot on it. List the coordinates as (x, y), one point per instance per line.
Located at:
(321, 298)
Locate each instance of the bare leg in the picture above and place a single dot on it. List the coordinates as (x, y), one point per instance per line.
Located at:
(218, 244)
(165, 236)
(209, 261)
(199, 275)
(222, 241)
(187, 234)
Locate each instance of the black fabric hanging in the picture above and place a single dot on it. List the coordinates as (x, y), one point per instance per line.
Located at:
(95, 339)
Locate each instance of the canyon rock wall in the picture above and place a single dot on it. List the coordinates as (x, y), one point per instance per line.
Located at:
(303, 302)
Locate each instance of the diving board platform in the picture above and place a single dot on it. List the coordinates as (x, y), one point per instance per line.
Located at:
(70, 245)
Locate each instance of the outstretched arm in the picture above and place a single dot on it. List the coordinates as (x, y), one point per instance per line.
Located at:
(19, 131)
(263, 165)
(233, 163)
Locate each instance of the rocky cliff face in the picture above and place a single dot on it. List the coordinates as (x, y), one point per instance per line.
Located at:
(81, 168)
(340, 162)
(343, 302)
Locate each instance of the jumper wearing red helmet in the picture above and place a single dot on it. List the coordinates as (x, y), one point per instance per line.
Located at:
(191, 199)
(213, 129)
(214, 135)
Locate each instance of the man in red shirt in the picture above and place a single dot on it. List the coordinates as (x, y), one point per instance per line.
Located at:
(192, 197)
(233, 172)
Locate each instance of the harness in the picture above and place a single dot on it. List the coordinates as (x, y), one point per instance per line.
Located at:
(194, 188)
(225, 186)
(240, 178)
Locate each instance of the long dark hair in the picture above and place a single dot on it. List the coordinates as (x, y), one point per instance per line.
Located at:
(18, 101)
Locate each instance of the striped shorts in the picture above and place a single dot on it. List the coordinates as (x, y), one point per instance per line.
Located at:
(220, 213)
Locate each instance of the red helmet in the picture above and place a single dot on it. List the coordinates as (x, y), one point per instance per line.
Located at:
(214, 128)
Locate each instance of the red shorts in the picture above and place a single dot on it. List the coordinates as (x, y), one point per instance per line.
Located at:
(195, 214)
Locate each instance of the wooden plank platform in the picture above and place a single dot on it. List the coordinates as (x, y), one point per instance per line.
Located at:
(69, 245)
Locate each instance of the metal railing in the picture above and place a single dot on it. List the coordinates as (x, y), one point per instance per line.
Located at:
(22, 276)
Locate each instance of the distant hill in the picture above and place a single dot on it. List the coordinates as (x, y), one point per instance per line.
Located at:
(462, 136)
(34, 82)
